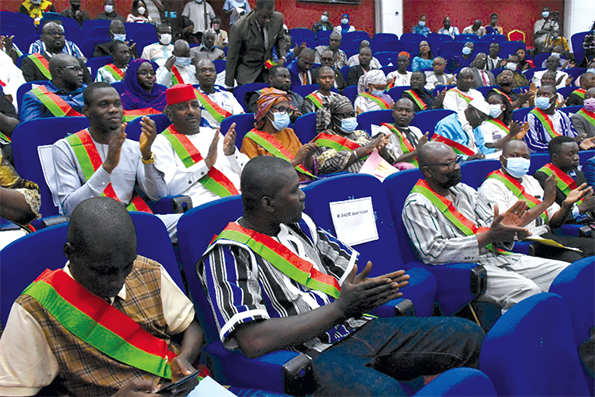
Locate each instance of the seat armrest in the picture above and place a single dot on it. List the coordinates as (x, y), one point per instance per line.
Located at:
(171, 205)
(574, 230)
(395, 308)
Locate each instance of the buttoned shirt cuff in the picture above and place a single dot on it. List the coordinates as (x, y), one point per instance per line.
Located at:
(99, 181)
(576, 212)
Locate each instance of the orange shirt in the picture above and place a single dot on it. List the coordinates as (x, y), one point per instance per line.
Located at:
(286, 136)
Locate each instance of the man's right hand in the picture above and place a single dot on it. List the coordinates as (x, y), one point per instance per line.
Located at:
(113, 152)
(505, 227)
(578, 193)
(549, 190)
(136, 388)
(211, 158)
(170, 62)
(588, 204)
(360, 294)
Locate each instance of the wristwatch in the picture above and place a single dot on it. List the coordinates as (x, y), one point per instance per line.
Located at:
(151, 159)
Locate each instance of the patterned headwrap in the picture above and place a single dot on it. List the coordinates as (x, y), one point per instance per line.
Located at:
(330, 104)
(269, 97)
(374, 76)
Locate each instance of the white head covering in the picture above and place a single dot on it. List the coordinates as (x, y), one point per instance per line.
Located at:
(481, 105)
(374, 76)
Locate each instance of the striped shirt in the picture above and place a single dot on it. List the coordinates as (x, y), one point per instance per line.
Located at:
(243, 287)
(69, 48)
(537, 138)
(437, 241)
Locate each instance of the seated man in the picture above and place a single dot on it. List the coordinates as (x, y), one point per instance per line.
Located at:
(110, 12)
(35, 67)
(476, 28)
(401, 76)
(584, 120)
(355, 72)
(327, 60)
(422, 98)
(437, 77)
(178, 69)
(446, 222)
(39, 46)
(117, 32)
(404, 138)
(373, 96)
(512, 64)
(506, 82)
(114, 72)
(324, 24)
(326, 80)
(101, 161)
(299, 69)
(481, 76)
(75, 12)
(458, 98)
(325, 316)
(354, 59)
(544, 28)
(161, 51)
(493, 27)
(562, 78)
(207, 50)
(447, 29)
(565, 161)
(461, 131)
(577, 97)
(546, 122)
(339, 57)
(462, 60)
(494, 61)
(216, 103)
(196, 161)
(511, 183)
(421, 27)
(105, 279)
(221, 39)
(62, 96)
(280, 79)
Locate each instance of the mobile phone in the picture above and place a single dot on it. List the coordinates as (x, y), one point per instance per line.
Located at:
(182, 386)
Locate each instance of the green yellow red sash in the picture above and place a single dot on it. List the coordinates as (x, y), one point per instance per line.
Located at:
(418, 101)
(336, 142)
(457, 147)
(115, 71)
(406, 146)
(290, 264)
(564, 182)
(274, 147)
(500, 124)
(215, 181)
(590, 116)
(503, 94)
(42, 64)
(447, 208)
(216, 111)
(130, 115)
(461, 95)
(269, 63)
(518, 190)
(379, 101)
(580, 92)
(56, 105)
(88, 158)
(546, 121)
(99, 324)
(176, 77)
(316, 100)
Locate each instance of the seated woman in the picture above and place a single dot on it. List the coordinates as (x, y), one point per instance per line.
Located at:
(373, 96)
(499, 127)
(524, 63)
(142, 96)
(271, 137)
(139, 13)
(424, 60)
(340, 147)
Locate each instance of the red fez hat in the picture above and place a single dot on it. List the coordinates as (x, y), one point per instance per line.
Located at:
(179, 93)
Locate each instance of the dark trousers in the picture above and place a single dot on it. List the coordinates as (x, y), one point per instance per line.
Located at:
(585, 244)
(369, 362)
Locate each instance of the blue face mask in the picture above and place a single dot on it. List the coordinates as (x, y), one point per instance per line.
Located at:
(183, 62)
(545, 14)
(422, 23)
(591, 70)
(280, 121)
(466, 50)
(517, 167)
(542, 103)
(119, 37)
(376, 92)
(349, 124)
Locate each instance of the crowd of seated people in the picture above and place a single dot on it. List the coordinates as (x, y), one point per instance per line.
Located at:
(493, 105)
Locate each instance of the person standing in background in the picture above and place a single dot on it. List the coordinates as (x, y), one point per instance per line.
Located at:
(201, 14)
(236, 9)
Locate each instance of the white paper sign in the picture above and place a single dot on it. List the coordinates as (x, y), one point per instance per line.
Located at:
(210, 388)
(354, 220)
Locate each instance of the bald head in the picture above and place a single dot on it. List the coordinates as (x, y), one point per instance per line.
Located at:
(515, 146)
(52, 35)
(181, 48)
(60, 60)
(117, 27)
(67, 72)
(590, 93)
(432, 153)
(262, 176)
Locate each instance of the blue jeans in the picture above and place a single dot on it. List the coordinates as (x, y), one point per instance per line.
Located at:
(369, 362)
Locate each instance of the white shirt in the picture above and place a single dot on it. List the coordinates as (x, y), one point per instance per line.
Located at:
(104, 75)
(354, 60)
(400, 79)
(394, 144)
(224, 99)
(491, 133)
(453, 101)
(365, 104)
(196, 13)
(494, 192)
(433, 81)
(12, 76)
(538, 75)
(182, 180)
(188, 74)
(156, 51)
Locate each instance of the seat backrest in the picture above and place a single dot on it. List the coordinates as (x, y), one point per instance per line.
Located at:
(496, 71)
(459, 382)
(585, 155)
(96, 63)
(240, 91)
(219, 65)
(96, 23)
(575, 73)
(530, 72)
(538, 160)
(516, 35)
(569, 110)
(387, 57)
(322, 37)
(519, 115)
(244, 123)
(492, 38)
(88, 47)
(305, 127)
(450, 47)
(133, 129)
(474, 172)
(350, 92)
(485, 89)
(530, 351)
(26, 87)
(298, 34)
(377, 117)
(541, 58)
(119, 86)
(577, 46)
(426, 120)
(465, 37)
(26, 139)
(196, 230)
(398, 186)
(133, 28)
(510, 47)
(396, 92)
(304, 90)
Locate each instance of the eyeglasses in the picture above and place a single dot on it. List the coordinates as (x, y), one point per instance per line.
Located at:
(75, 68)
(146, 72)
(282, 109)
(450, 164)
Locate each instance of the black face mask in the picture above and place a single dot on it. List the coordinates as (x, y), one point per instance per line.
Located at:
(453, 178)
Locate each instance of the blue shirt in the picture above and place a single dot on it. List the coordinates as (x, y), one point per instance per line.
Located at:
(69, 48)
(451, 127)
(589, 171)
(32, 107)
(421, 30)
(421, 63)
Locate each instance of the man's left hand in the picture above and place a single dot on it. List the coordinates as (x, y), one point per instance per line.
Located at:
(587, 144)
(147, 136)
(229, 142)
(180, 367)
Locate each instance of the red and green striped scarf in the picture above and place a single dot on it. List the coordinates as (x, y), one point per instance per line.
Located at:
(379, 101)
(88, 158)
(56, 105)
(316, 100)
(418, 101)
(42, 64)
(518, 190)
(284, 260)
(580, 92)
(215, 181)
(176, 77)
(216, 111)
(589, 116)
(467, 99)
(130, 115)
(406, 146)
(115, 71)
(563, 181)
(546, 122)
(99, 324)
(274, 147)
(336, 142)
(500, 124)
(457, 147)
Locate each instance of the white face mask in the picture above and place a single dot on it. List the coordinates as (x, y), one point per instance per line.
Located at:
(183, 61)
(199, 1)
(141, 10)
(109, 9)
(511, 66)
(345, 21)
(495, 110)
(119, 37)
(324, 18)
(36, 2)
(165, 38)
(422, 23)
(545, 14)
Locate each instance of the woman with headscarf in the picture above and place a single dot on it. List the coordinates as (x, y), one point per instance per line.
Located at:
(272, 137)
(340, 146)
(344, 27)
(139, 13)
(142, 96)
(372, 96)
